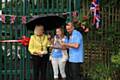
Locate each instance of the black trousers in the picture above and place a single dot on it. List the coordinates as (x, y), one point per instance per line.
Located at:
(39, 67)
(74, 71)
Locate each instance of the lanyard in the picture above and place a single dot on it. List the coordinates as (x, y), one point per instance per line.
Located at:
(41, 41)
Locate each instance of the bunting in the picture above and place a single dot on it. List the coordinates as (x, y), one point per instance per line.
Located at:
(0, 15)
(24, 18)
(3, 18)
(12, 19)
(95, 9)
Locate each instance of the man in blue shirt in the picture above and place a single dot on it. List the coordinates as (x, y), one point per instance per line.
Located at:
(76, 52)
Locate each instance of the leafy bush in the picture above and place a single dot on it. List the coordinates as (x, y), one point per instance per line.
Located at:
(99, 72)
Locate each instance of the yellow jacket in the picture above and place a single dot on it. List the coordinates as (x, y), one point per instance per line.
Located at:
(38, 44)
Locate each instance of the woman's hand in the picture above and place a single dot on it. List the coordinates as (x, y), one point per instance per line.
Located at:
(55, 47)
(51, 46)
(63, 44)
(35, 53)
(40, 54)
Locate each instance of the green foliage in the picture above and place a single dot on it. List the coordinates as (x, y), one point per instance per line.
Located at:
(116, 58)
(99, 72)
(115, 71)
(113, 3)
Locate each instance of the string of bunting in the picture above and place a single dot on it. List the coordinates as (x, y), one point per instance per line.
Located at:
(12, 18)
(94, 8)
(74, 14)
(24, 18)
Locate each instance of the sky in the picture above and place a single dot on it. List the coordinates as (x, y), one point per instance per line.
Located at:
(4, 0)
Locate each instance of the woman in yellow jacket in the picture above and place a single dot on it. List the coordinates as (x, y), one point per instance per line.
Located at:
(38, 48)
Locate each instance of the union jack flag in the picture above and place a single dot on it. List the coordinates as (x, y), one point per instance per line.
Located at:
(3, 18)
(12, 19)
(24, 20)
(95, 9)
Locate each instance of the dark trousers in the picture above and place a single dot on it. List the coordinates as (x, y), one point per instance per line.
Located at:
(74, 71)
(39, 67)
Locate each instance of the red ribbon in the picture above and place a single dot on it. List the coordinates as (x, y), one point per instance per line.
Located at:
(24, 41)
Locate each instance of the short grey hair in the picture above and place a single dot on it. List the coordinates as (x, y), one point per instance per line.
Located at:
(38, 26)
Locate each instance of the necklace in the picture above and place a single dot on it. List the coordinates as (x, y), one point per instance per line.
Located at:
(41, 41)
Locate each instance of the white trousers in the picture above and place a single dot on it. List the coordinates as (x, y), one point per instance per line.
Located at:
(58, 63)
